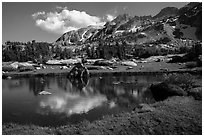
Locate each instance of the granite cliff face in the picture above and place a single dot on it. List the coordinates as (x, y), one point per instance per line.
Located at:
(77, 36)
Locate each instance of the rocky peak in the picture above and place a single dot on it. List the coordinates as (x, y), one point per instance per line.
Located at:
(167, 11)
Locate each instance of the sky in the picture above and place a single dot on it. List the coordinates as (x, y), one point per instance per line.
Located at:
(47, 21)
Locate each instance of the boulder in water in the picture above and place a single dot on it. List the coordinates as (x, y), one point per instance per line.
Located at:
(44, 93)
(79, 71)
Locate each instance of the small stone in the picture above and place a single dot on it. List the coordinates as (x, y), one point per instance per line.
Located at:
(145, 108)
(9, 77)
(44, 93)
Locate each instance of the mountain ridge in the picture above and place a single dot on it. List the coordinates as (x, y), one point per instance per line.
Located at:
(125, 24)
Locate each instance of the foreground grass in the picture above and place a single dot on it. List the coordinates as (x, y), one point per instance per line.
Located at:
(175, 115)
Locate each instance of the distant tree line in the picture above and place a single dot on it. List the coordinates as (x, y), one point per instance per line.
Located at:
(107, 50)
(121, 49)
(33, 51)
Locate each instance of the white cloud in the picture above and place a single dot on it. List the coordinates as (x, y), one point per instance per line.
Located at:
(64, 20)
(35, 15)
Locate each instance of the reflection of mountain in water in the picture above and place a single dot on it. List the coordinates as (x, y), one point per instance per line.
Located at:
(80, 98)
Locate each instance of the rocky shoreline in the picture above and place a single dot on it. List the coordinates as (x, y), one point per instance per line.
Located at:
(142, 68)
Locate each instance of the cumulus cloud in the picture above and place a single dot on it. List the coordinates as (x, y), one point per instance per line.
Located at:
(35, 15)
(65, 20)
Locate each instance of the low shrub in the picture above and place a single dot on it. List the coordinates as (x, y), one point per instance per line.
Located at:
(185, 81)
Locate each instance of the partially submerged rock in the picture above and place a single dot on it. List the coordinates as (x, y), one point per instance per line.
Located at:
(79, 71)
(164, 90)
(9, 77)
(44, 93)
(78, 76)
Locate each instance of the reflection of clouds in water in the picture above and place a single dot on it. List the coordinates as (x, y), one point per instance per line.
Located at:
(72, 103)
(119, 90)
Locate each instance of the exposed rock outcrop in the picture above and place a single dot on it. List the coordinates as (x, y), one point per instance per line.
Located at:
(164, 90)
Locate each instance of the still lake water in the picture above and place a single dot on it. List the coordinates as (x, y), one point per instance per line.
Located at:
(72, 101)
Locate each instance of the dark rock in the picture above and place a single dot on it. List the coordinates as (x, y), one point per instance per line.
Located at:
(196, 93)
(79, 76)
(158, 60)
(44, 93)
(164, 90)
(4, 76)
(79, 71)
(176, 59)
(199, 61)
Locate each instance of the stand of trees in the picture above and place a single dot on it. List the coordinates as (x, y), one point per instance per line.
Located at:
(33, 51)
(107, 50)
(40, 52)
